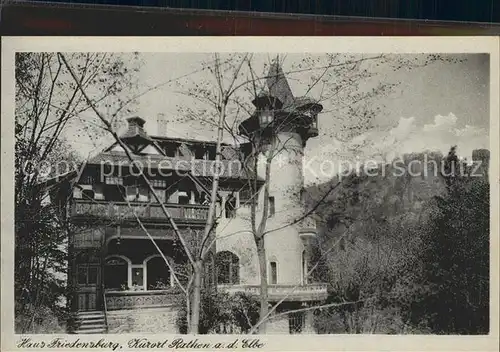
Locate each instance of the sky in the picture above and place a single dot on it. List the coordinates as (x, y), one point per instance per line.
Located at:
(431, 108)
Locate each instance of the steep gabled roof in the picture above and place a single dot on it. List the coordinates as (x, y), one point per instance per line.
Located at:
(231, 169)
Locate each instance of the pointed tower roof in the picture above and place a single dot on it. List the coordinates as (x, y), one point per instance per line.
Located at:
(278, 85)
(279, 97)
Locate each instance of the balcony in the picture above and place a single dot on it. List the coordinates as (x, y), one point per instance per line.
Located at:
(150, 211)
(141, 299)
(301, 293)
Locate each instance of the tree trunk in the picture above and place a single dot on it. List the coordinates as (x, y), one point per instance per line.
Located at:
(196, 298)
(264, 308)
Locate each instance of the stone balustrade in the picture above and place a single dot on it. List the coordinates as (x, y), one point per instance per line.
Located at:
(141, 299)
(309, 292)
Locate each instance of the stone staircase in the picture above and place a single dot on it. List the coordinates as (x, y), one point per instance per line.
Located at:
(91, 322)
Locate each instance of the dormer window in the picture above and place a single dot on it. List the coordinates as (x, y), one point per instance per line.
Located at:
(183, 198)
(171, 150)
(211, 153)
(314, 121)
(199, 153)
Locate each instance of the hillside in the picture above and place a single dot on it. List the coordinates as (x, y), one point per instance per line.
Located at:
(388, 239)
(378, 193)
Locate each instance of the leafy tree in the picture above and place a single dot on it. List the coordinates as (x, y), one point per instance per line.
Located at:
(417, 256)
(456, 255)
(49, 106)
(377, 264)
(223, 313)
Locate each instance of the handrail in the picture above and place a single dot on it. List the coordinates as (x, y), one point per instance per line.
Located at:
(144, 204)
(274, 287)
(105, 307)
(144, 209)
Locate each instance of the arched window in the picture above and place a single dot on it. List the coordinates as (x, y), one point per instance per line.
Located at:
(273, 278)
(158, 274)
(228, 268)
(116, 273)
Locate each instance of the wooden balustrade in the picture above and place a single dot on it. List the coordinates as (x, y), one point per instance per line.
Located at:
(121, 210)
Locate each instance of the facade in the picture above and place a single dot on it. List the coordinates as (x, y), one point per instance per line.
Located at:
(118, 278)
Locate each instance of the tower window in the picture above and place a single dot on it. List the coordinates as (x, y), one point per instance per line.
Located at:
(272, 208)
(231, 206)
(245, 197)
(304, 268)
(314, 121)
(274, 273)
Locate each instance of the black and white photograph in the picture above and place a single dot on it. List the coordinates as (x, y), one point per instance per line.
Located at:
(257, 192)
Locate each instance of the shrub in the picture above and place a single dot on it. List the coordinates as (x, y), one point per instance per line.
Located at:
(222, 312)
(40, 320)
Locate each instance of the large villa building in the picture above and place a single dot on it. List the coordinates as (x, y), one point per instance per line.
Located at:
(118, 279)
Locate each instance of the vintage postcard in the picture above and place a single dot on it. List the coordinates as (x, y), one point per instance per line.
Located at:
(250, 193)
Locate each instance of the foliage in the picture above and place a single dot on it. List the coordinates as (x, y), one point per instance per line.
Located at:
(40, 320)
(222, 312)
(49, 107)
(456, 257)
(413, 253)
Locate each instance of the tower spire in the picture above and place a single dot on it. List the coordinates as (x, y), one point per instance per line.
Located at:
(278, 84)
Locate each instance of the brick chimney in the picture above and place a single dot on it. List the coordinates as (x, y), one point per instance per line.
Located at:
(161, 125)
(135, 128)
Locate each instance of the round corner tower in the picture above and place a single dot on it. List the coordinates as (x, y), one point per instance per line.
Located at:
(281, 125)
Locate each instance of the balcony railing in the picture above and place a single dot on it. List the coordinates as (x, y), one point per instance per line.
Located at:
(122, 211)
(309, 292)
(141, 299)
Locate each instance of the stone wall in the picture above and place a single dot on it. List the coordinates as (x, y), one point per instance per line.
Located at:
(146, 320)
(278, 326)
